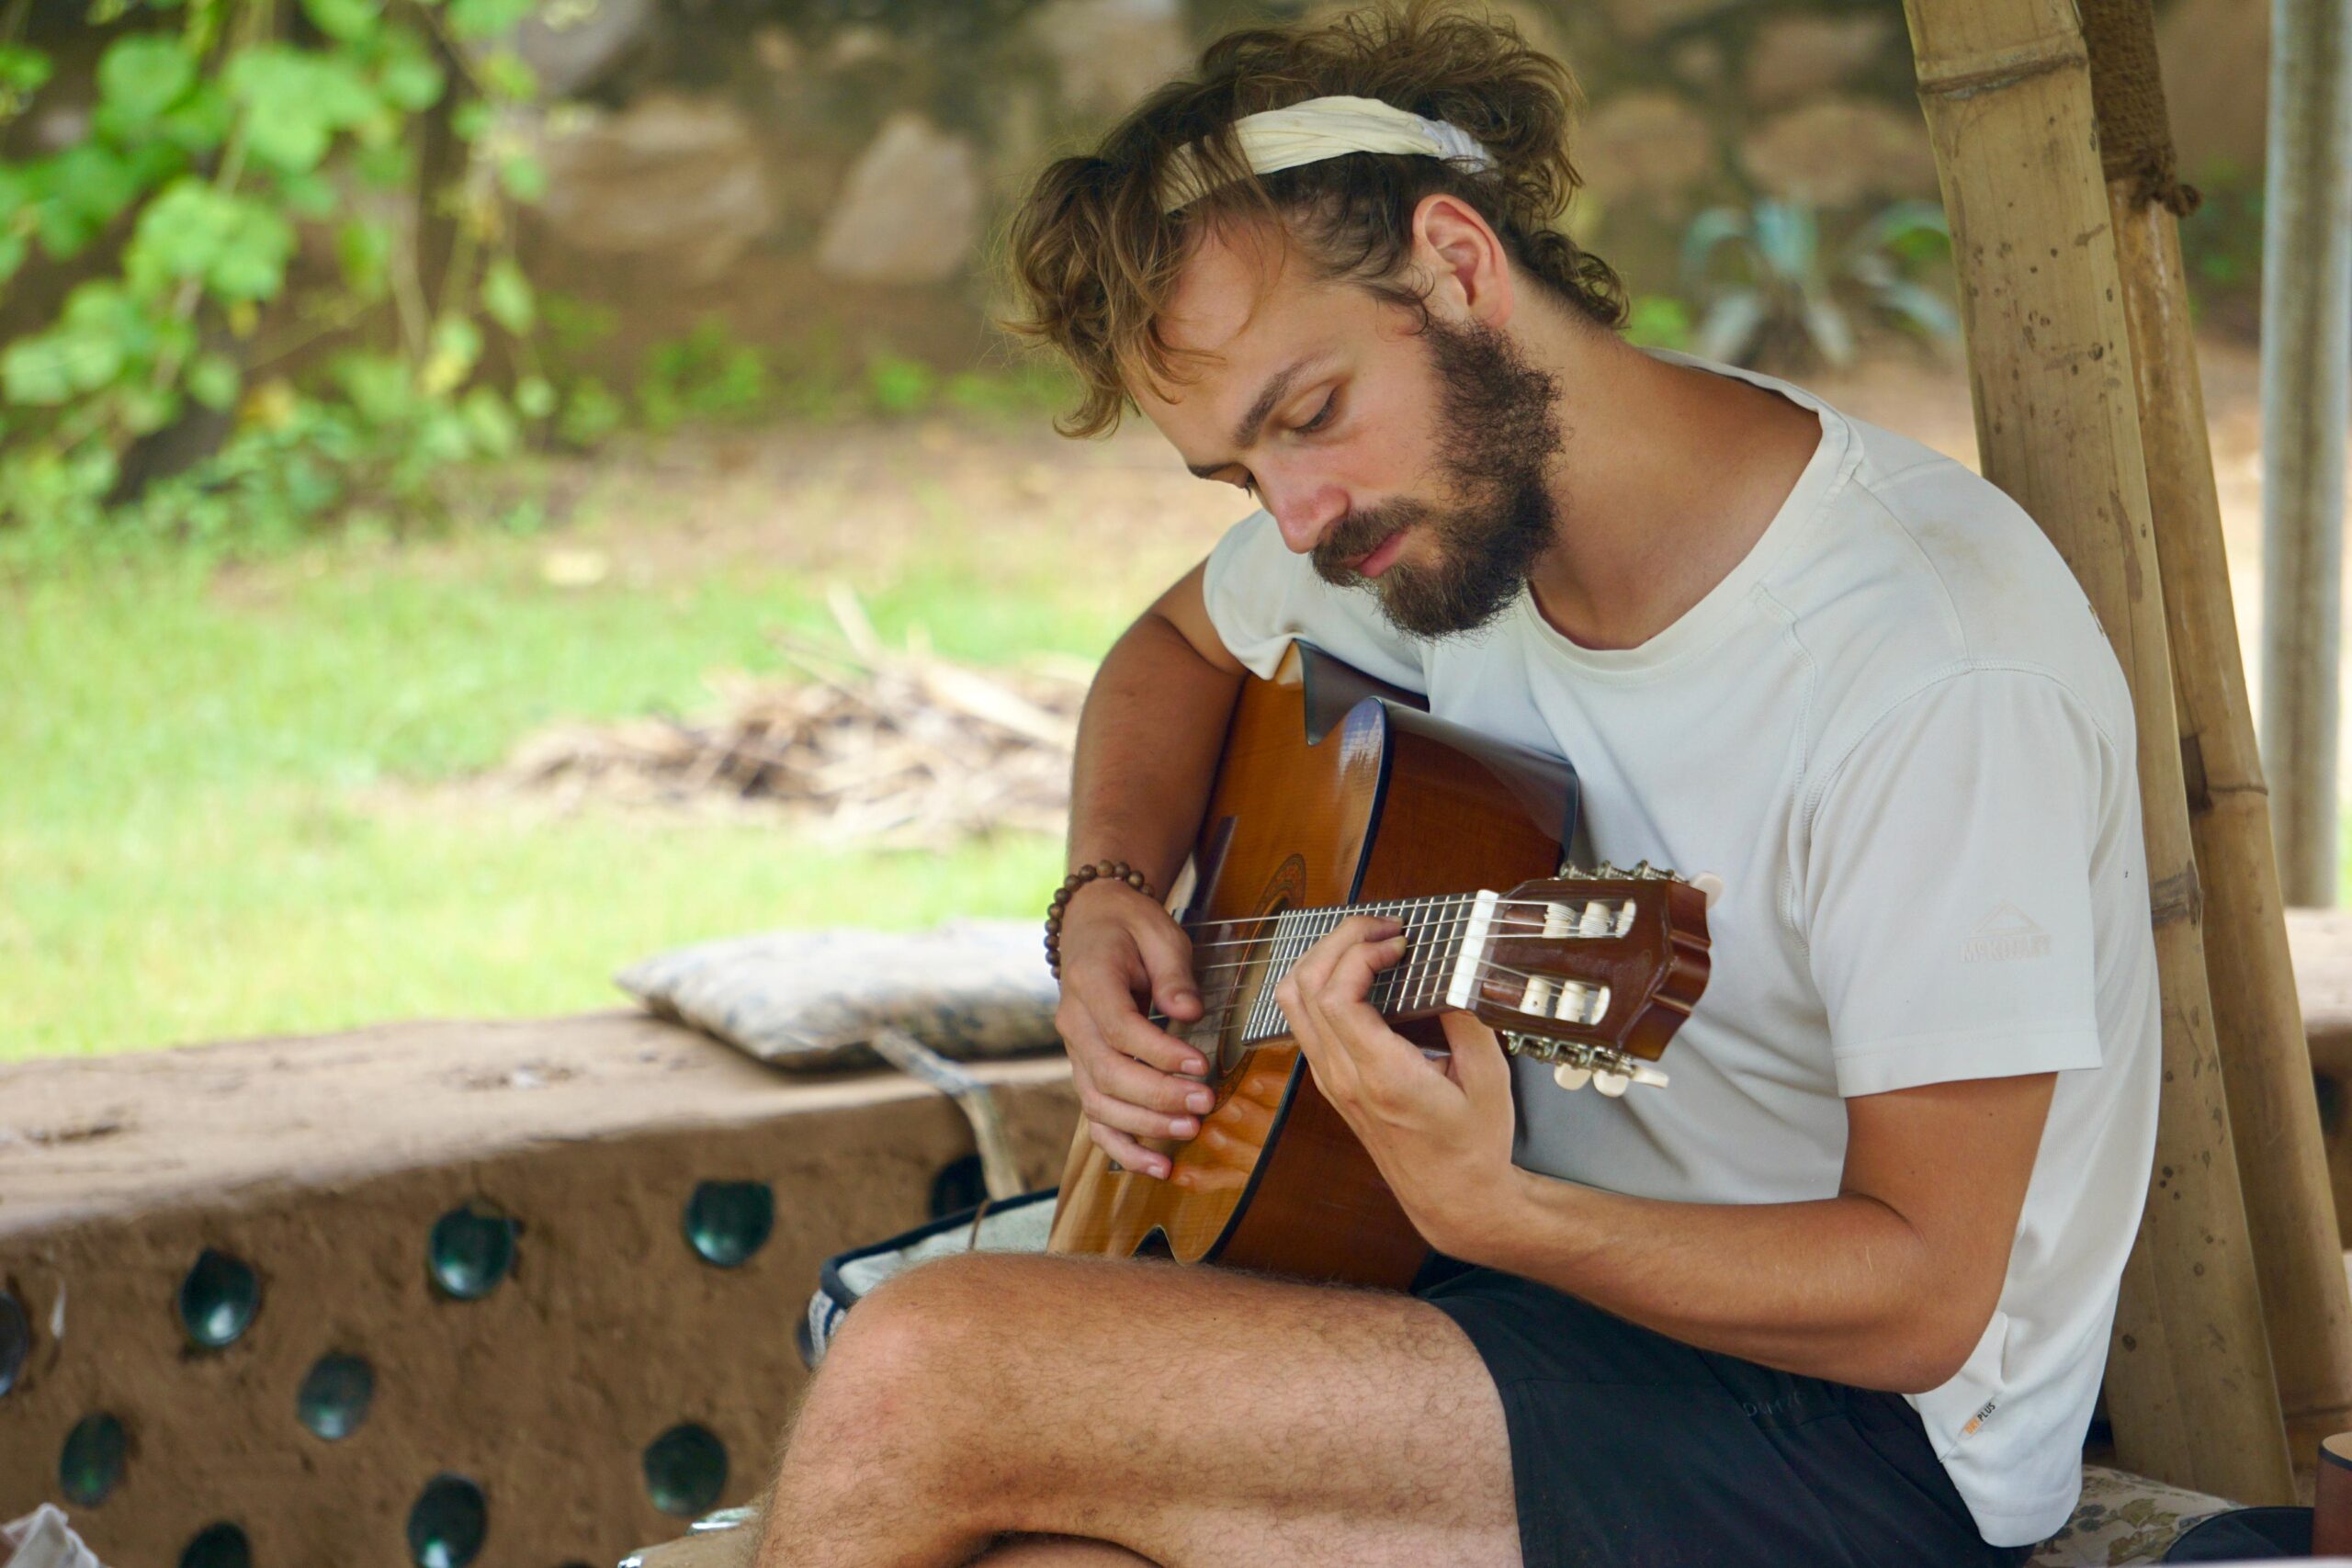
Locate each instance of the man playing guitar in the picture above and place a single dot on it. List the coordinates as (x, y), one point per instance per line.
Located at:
(1842, 1294)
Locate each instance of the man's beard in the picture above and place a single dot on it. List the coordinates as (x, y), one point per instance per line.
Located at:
(1498, 426)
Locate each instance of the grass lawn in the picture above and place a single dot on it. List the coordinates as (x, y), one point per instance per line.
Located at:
(215, 811)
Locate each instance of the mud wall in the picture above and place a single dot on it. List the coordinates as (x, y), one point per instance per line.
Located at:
(610, 1381)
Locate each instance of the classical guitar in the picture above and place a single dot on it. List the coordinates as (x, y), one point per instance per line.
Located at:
(1338, 796)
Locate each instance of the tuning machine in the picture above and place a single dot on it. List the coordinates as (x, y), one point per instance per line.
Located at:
(1575, 1064)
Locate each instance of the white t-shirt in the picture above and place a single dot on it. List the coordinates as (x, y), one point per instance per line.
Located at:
(1896, 732)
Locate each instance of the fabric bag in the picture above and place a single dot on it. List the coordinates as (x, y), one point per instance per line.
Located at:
(1016, 1224)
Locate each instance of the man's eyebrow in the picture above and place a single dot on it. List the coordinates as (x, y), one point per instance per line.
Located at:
(1245, 432)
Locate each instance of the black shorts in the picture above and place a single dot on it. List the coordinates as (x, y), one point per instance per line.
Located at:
(1631, 1449)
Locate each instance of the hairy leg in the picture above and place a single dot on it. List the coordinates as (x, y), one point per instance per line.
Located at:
(1059, 1552)
(1189, 1415)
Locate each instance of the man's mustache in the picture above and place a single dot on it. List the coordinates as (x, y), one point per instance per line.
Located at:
(1357, 537)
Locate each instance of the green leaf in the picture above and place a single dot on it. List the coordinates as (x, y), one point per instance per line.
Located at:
(145, 410)
(506, 74)
(80, 191)
(295, 102)
(486, 18)
(457, 344)
(23, 72)
(523, 176)
(389, 167)
(590, 413)
(309, 196)
(101, 333)
(364, 249)
(344, 20)
(236, 245)
(534, 398)
(214, 380)
(13, 251)
(141, 74)
(506, 295)
(491, 423)
(409, 77)
(200, 121)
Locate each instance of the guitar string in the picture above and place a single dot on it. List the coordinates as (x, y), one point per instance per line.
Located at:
(1368, 905)
(1461, 900)
(1446, 925)
(1444, 916)
(1225, 1013)
(1459, 911)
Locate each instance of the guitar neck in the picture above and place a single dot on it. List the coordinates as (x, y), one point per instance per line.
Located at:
(1244, 960)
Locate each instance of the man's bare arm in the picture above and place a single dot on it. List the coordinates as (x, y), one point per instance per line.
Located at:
(1148, 736)
(1147, 745)
(1887, 1285)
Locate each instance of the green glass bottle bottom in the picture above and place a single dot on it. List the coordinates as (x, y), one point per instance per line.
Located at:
(91, 1464)
(726, 1222)
(470, 1250)
(686, 1470)
(335, 1396)
(448, 1523)
(219, 1300)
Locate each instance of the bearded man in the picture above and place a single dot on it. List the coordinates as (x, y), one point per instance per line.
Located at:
(1842, 1296)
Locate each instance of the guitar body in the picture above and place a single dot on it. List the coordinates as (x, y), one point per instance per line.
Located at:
(1333, 789)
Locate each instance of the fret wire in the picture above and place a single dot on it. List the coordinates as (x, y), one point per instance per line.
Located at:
(1445, 918)
(1448, 929)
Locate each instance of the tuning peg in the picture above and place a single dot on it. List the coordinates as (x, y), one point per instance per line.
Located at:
(1612, 1084)
(1570, 1076)
(1648, 1076)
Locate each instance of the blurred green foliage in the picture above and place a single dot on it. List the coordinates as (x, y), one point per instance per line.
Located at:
(2221, 242)
(1771, 282)
(230, 138)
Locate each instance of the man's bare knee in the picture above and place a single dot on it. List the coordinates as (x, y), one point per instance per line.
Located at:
(904, 1380)
(1059, 1552)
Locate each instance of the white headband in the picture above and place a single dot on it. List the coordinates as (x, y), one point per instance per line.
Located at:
(1317, 129)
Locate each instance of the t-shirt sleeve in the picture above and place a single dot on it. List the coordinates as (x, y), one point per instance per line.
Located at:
(1947, 890)
(1261, 595)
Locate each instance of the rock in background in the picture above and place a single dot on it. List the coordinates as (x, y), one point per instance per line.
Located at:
(824, 170)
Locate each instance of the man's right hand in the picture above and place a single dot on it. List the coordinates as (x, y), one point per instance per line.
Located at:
(1134, 1081)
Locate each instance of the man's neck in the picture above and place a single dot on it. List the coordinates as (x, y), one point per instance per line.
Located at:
(1667, 477)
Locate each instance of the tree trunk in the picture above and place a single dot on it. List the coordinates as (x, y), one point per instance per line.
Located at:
(2257, 1016)
(2007, 90)
(2306, 309)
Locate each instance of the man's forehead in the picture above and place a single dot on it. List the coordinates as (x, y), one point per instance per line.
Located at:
(1238, 312)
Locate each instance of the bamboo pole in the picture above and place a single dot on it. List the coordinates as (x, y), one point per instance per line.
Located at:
(2306, 358)
(2007, 91)
(2257, 1016)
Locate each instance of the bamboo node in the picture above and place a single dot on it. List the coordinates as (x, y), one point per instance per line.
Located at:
(1966, 75)
(2177, 898)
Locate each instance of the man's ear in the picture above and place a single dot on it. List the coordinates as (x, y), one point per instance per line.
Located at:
(1467, 259)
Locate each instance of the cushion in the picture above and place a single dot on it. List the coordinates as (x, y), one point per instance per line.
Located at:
(2124, 1518)
(812, 1000)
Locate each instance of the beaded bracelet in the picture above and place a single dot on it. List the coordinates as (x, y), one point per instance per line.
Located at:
(1116, 870)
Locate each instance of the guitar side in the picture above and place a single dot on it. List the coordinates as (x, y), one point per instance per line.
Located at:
(1316, 808)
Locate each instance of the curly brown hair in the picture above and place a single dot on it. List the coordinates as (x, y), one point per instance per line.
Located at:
(1092, 259)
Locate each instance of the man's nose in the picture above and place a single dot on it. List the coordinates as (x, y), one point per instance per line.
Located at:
(1304, 514)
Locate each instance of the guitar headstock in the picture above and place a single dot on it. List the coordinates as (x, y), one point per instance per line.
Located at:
(1593, 971)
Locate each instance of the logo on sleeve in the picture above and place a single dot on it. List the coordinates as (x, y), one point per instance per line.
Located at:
(2008, 932)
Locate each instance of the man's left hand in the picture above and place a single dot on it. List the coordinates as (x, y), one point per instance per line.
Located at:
(1440, 1132)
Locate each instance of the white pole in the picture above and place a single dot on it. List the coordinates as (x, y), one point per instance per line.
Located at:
(2306, 364)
